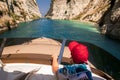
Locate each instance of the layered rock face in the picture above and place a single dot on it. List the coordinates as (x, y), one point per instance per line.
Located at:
(15, 11)
(111, 21)
(83, 10)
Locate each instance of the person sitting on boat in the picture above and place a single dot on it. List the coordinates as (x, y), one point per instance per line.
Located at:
(79, 69)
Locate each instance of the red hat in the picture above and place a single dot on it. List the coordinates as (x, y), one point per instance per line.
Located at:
(72, 45)
(79, 53)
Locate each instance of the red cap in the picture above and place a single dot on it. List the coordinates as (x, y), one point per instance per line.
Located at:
(72, 45)
(79, 53)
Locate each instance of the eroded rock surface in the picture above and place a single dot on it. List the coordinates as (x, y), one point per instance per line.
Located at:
(83, 10)
(15, 11)
(111, 21)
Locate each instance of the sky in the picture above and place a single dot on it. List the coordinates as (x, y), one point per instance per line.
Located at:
(44, 6)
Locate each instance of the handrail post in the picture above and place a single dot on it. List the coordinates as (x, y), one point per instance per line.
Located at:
(1, 50)
(2, 46)
(61, 51)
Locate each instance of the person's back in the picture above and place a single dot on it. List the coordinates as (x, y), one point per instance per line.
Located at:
(74, 72)
(79, 69)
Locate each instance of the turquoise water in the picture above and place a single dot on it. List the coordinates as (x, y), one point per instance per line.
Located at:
(71, 30)
(61, 29)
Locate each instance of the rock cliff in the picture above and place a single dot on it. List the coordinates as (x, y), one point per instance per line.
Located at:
(103, 12)
(15, 11)
(110, 23)
(83, 10)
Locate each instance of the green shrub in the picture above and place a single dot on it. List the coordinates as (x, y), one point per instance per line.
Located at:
(35, 17)
(14, 16)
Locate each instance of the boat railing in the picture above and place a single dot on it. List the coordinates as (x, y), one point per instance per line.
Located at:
(1, 50)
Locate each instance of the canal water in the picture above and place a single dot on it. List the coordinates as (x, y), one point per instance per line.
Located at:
(107, 51)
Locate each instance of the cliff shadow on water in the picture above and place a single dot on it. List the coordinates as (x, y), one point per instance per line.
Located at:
(104, 61)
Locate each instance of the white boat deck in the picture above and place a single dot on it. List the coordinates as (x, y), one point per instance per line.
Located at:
(36, 72)
(15, 71)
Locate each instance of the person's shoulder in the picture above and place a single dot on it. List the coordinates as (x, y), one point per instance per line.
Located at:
(74, 71)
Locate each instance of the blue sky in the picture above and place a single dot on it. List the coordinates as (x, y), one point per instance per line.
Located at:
(44, 6)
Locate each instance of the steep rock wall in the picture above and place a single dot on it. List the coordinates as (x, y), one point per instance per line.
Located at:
(15, 11)
(111, 22)
(83, 10)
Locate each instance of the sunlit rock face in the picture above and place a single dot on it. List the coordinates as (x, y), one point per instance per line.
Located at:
(15, 11)
(111, 20)
(82, 10)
